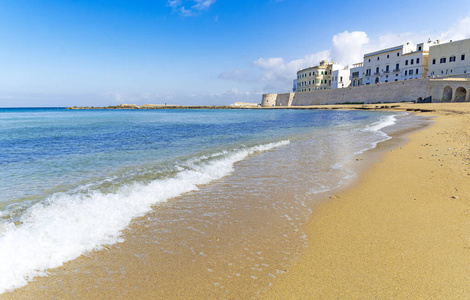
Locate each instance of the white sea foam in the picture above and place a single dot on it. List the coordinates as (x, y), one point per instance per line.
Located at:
(68, 225)
(376, 128)
(377, 136)
(382, 123)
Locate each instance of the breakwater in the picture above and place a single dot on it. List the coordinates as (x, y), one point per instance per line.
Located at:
(158, 106)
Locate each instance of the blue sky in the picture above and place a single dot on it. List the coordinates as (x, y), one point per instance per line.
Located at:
(94, 52)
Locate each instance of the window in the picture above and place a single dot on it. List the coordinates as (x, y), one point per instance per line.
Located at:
(377, 70)
(434, 61)
(388, 56)
(412, 61)
(462, 57)
(411, 72)
(417, 71)
(406, 62)
(443, 60)
(397, 67)
(322, 81)
(406, 73)
(387, 68)
(378, 57)
(309, 74)
(396, 79)
(452, 59)
(419, 48)
(326, 72)
(398, 53)
(341, 79)
(322, 72)
(417, 61)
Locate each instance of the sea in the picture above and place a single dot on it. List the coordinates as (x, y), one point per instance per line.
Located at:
(74, 182)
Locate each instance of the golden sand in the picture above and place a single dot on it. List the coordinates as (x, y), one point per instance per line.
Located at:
(403, 231)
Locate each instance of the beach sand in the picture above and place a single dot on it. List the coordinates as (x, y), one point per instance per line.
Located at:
(402, 231)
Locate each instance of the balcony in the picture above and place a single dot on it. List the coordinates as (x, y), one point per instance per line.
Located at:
(396, 70)
(355, 76)
(376, 73)
(386, 71)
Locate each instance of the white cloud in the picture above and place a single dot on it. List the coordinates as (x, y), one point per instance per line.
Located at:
(190, 7)
(239, 75)
(278, 74)
(348, 47)
(203, 4)
(458, 31)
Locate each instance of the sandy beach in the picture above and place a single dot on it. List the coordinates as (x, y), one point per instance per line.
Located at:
(402, 231)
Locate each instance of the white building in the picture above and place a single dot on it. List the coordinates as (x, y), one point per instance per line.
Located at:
(340, 77)
(449, 58)
(397, 63)
(356, 74)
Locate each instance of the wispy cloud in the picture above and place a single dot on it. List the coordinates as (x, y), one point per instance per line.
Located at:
(190, 7)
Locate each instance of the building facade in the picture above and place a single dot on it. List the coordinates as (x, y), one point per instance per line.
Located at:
(355, 74)
(340, 77)
(397, 63)
(315, 78)
(449, 59)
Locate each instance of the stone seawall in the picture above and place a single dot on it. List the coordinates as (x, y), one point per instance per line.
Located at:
(399, 91)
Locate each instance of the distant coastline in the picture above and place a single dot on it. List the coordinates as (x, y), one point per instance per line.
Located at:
(345, 106)
(237, 105)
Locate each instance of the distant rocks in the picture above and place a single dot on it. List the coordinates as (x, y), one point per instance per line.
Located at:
(237, 105)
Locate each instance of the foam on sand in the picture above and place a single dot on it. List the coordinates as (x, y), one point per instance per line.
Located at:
(67, 225)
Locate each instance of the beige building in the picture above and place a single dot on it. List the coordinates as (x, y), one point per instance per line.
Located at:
(315, 78)
(449, 59)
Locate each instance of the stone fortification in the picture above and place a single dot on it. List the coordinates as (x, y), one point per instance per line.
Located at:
(399, 91)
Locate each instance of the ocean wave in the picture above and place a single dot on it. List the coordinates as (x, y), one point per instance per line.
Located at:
(65, 226)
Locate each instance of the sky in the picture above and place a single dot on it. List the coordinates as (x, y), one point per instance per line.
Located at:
(196, 52)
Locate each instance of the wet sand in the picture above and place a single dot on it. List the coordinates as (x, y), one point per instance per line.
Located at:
(403, 231)
(397, 233)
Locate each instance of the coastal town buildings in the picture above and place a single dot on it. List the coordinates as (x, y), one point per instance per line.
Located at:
(400, 63)
(451, 58)
(315, 78)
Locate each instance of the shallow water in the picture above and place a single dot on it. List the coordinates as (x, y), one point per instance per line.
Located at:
(72, 181)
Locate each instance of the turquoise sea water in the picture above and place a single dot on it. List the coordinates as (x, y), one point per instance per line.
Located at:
(71, 180)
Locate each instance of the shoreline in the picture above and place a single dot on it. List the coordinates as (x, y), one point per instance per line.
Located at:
(402, 231)
(296, 280)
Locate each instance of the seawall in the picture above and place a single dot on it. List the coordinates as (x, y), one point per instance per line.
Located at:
(397, 91)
